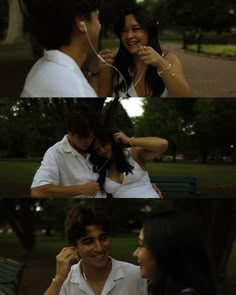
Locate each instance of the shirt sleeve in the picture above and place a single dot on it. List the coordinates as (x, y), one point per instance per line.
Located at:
(48, 172)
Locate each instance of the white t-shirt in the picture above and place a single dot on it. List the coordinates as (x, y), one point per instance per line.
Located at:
(56, 75)
(124, 279)
(63, 165)
(135, 185)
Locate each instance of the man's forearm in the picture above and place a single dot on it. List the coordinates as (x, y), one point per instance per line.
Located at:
(58, 191)
(55, 287)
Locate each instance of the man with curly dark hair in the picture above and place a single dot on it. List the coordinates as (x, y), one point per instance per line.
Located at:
(85, 267)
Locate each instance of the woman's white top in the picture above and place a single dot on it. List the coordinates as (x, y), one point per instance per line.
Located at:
(132, 92)
(135, 185)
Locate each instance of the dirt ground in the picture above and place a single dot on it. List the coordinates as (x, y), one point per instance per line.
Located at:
(40, 270)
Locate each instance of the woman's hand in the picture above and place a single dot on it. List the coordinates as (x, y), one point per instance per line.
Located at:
(108, 56)
(169, 68)
(121, 136)
(149, 56)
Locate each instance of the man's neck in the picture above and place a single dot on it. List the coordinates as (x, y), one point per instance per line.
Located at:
(96, 275)
(76, 52)
(82, 152)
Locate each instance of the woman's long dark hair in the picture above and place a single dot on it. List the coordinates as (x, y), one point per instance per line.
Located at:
(176, 241)
(101, 164)
(124, 59)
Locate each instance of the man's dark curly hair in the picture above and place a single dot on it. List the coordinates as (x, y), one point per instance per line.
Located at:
(52, 21)
(79, 217)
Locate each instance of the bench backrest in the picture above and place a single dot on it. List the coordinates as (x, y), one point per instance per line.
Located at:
(11, 272)
(177, 186)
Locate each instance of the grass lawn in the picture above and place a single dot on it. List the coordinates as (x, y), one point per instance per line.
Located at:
(218, 50)
(209, 175)
(9, 53)
(17, 171)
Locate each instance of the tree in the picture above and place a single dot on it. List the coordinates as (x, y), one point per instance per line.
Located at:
(19, 215)
(207, 15)
(15, 30)
(196, 127)
(215, 124)
(29, 126)
(162, 118)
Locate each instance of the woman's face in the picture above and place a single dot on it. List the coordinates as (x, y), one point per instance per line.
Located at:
(144, 257)
(133, 35)
(102, 149)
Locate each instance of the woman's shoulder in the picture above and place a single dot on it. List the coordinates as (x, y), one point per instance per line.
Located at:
(170, 57)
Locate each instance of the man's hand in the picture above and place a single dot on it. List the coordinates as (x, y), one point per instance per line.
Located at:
(64, 260)
(90, 188)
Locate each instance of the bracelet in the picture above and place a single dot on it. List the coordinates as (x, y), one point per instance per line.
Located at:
(130, 141)
(165, 70)
(92, 74)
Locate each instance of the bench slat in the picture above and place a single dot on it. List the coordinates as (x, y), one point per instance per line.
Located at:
(10, 276)
(169, 185)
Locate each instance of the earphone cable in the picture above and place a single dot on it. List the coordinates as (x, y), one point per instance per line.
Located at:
(107, 64)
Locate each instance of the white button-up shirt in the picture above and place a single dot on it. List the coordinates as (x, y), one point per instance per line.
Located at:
(56, 75)
(63, 165)
(124, 279)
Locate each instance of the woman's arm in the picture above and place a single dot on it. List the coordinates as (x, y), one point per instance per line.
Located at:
(143, 148)
(169, 68)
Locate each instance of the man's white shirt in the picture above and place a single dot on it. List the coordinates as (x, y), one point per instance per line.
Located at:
(63, 165)
(124, 279)
(56, 75)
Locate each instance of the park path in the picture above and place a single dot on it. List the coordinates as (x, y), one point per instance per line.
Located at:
(207, 76)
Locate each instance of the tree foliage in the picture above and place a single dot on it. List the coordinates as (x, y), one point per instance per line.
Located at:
(196, 127)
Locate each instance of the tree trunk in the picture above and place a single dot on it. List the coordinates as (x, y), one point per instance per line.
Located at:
(15, 33)
(21, 221)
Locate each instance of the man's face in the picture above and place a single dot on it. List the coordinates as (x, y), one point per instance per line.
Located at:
(94, 248)
(93, 27)
(81, 144)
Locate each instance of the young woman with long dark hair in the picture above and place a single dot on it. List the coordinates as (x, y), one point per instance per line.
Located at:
(122, 171)
(144, 69)
(172, 254)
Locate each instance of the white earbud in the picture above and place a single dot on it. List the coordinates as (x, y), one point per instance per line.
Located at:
(84, 25)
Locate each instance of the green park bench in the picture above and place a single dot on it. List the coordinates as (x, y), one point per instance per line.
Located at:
(177, 186)
(11, 272)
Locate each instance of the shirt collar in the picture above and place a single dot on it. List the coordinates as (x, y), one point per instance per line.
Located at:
(61, 58)
(115, 274)
(68, 148)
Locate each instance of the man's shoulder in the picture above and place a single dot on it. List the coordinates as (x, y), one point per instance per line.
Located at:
(48, 79)
(56, 148)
